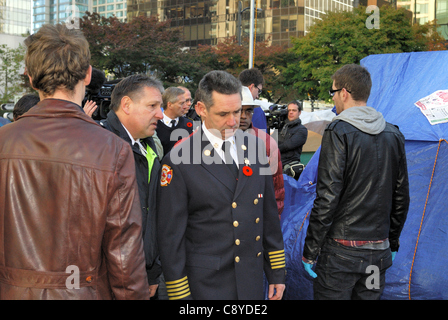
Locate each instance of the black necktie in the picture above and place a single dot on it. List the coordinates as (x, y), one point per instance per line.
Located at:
(229, 159)
(173, 123)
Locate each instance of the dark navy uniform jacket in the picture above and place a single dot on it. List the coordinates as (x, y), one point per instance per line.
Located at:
(217, 234)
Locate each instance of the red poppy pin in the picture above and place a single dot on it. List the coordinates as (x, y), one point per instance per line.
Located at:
(189, 124)
(247, 171)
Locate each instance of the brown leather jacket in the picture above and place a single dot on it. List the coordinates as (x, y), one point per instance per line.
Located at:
(68, 202)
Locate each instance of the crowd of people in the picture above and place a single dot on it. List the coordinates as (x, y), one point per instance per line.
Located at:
(158, 202)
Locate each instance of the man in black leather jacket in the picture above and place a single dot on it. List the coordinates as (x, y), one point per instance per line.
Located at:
(362, 195)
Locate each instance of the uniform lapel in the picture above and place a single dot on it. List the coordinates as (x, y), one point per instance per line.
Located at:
(213, 163)
(242, 147)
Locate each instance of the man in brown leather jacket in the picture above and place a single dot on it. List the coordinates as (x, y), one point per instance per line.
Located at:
(69, 205)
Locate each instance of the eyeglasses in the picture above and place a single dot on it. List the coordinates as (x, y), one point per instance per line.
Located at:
(259, 90)
(333, 91)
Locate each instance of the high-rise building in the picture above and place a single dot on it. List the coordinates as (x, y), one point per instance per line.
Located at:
(315, 8)
(442, 17)
(57, 11)
(207, 21)
(108, 8)
(15, 17)
(424, 11)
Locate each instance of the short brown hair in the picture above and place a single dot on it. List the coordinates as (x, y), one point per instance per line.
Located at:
(219, 81)
(56, 58)
(131, 86)
(355, 79)
(171, 94)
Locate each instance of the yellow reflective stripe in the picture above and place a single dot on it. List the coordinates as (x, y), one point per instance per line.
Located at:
(176, 281)
(177, 285)
(178, 289)
(180, 297)
(277, 252)
(278, 259)
(173, 295)
(276, 255)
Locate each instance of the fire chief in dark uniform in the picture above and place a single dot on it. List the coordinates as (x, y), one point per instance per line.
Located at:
(218, 226)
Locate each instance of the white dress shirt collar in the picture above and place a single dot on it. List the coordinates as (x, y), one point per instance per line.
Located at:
(217, 142)
(167, 120)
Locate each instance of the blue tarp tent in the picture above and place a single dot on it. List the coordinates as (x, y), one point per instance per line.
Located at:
(418, 272)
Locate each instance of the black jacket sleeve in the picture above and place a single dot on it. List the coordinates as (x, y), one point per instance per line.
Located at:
(328, 190)
(294, 140)
(400, 202)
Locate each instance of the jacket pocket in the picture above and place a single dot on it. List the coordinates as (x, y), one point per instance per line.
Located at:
(203, 261)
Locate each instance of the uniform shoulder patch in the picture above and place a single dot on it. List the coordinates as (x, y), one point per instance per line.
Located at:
(166, 176)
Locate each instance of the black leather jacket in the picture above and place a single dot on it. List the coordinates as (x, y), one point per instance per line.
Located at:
(362, 190)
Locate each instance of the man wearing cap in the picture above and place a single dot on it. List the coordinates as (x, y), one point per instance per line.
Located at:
(223, 230)
(272, 151)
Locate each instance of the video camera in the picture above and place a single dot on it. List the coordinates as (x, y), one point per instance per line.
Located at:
(276, 116)
(99, 90)
(102, 99)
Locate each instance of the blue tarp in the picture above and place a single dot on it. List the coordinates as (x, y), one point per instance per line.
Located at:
(399, 80)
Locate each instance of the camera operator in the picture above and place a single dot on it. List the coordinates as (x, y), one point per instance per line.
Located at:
(291, 139)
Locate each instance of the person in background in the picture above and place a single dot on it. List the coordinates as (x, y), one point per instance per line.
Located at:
(175, 107)
(291, 139)
(24, 104)
(187, 97)
(135, 111)
(253, 79)
(362, 195)
(70, 212)
(272, 151)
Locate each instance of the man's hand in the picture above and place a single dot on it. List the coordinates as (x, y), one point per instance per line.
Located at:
(152, 290)
(277, 289)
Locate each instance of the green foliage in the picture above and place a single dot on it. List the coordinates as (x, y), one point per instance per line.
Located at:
(147, 45)
(144, 45)
(228, 55)
(10, 77)
(342, 38)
